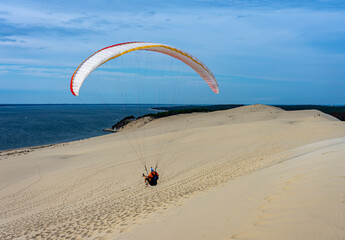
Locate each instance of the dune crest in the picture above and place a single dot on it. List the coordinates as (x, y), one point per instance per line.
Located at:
(257, 108)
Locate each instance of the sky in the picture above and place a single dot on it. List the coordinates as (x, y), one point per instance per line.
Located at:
(268, 52)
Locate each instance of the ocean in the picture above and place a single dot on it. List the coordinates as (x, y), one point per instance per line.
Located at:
(34, 125)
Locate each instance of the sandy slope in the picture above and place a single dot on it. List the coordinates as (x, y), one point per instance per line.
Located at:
(92, 188)
(301, 198)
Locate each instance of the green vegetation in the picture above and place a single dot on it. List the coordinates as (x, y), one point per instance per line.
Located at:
(336, 111)
(123, 122)
(170, 111)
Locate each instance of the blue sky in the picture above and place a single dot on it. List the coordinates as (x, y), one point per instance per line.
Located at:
(270, 52)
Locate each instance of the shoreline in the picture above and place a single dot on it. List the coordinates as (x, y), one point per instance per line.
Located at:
(107, 131)
(181, 110)
(24, 150)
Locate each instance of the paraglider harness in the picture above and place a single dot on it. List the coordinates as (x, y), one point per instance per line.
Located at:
(153, 180)
(152, 177)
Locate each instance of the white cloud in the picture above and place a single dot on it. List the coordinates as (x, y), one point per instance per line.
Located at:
(25, 16)
(36, 71)
(262, 43)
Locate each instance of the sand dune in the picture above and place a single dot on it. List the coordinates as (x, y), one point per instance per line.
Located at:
(301, 198)
(93, 188)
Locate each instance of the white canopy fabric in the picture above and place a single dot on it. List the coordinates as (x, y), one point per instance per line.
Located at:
(102, 56)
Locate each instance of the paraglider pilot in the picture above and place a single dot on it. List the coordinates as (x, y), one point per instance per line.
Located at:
(151, 178)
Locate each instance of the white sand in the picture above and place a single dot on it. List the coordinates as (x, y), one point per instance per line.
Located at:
(92, 188)
(301, 198)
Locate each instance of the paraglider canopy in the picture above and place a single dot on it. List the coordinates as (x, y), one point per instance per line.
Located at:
(104, 55)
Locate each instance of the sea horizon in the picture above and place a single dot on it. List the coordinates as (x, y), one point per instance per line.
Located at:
(30, 125)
